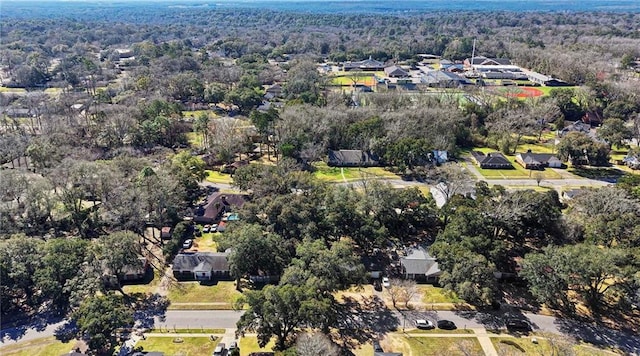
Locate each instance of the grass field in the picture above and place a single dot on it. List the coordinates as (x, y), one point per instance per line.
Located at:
(361, 79)
(190, 346)
(47, 346)
(334, 174)
(433, 346)
(147, 288)
(194, 292)
(431, 294)
(249, 344)
(516, 346)
(217, 177)
(206, 243)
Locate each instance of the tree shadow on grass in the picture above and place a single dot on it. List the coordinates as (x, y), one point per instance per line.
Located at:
(362, 321)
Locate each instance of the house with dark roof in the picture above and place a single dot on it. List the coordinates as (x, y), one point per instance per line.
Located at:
(216, 205)
(419, 265)
(367, 65)
(577, 126)
(493, 160)
(201, 266)
(530, 160)
(570, 194)
(395, 72)
(352, 158)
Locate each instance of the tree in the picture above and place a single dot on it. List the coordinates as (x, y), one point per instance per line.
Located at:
(471, 278)
(245, 99)
(577, 147)
(593, 274)
(201, 126)
(114, 253)
(254, 252)
(316, 344)
(401, 291)
(98, 317)
(62, 261)
(615, 132)
(278, 311)
(20, 259)
(189, 170)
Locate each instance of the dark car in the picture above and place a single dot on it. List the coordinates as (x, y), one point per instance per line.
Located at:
(377, 347)
(446, 325)
(377, 285)
(517, 325)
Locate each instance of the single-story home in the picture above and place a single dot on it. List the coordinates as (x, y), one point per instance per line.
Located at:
(577, 126)
(352, 158)
(632, 161)
(419, 265)
(530, 160)
(373, 265)
(440, 156)
(395, 72)
(135, 272)
(201, 266)
(493, 160)
(570, 194)
(217, 204)
(367, 65)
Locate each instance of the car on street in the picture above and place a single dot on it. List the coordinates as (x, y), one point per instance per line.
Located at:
(214, 228)
(385, 282)
(220, 350)
(446, 325)
(515, 324)
(187, 244)
(206, 228)
(424, 324)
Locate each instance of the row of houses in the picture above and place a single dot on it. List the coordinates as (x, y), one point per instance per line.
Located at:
(359, 158)
(528, 160)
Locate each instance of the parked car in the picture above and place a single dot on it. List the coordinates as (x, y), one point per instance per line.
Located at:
(377, 285)
(514, 324)
(377, 347)
(214, 228)
(206, 228)
(385, 282)
(446, 325)
(187, 244)
(424, 324)
(220, 350)
(233, 346)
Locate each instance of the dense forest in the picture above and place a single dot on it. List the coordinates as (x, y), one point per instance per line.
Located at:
(111, 119)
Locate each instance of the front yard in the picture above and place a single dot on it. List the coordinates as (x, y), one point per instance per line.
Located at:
(221, 295)
(176, 345)
(47, 346)
(431, 345)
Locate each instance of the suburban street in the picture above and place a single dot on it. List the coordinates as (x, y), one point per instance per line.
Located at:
(226, 319)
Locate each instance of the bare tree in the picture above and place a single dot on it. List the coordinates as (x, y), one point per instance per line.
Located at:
(316, 344)
(538, 177)
(401, 291)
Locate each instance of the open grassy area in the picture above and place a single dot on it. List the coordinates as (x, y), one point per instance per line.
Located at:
(334, 174)
(596, 173)
(194, 292)
(12, 90)
(431, 294)
(188, 331)
(47, 346)
(206, 243)
(432, 346)
(516, 346)
(249, 344)
(194, 139)
(195, 113)
(190, 346)
(217, 177)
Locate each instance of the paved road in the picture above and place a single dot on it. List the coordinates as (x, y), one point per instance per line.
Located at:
(212, 319)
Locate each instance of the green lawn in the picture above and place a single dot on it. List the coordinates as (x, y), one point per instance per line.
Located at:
(147, 288)
(194, 292)
(438, 346)
(206, 242)
(334, 174)
(194, 139)
(514, 346)
(249, 344)
(217, 177)
(12, 90)
(47, 346)
(195, 113)
(431, 294)
(190, 346)
(188, 331)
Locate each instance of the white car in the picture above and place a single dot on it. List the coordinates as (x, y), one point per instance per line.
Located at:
(187, 244)
(424, 324)
(385, 282)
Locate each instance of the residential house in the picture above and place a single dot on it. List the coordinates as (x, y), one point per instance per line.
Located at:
(530, 160)
(440, 156)
(420, 266)
(395, 72)
(201, 266)
(135, 272)
(373, 265)
(443, 79)
(231, 168)
(493, 160)
(273, 91)
(367, 65)
(593, 118)
(352, 158)
(577, 126)
(632, 161)
(216, 205)
(570, 194)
